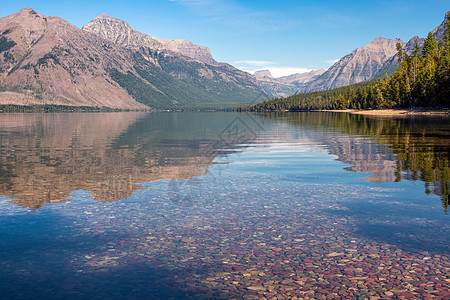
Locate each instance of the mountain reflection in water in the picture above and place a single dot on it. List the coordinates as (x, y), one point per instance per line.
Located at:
(45, 157)
(390, 148)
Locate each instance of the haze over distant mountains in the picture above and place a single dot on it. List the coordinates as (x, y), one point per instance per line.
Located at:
(286, 85)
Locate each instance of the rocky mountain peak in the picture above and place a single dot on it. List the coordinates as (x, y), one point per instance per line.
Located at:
(26, 24)
(105, 16)
(112, 29)
(25, 15)
(438, 32)
(47, 60)
(121, 33)
(262, 74)
(378, 40)
(27, 10)
(383, 44)
(360, 65)
(411, 44)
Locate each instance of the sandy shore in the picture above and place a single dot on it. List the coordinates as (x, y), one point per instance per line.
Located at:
(394, 112)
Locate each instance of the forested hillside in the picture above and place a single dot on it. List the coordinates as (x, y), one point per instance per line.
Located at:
(421, 80)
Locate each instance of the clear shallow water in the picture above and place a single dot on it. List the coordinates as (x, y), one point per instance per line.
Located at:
(223, 205)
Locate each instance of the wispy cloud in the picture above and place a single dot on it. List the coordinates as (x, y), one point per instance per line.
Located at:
(284, 71)
(275, 71)
(332, 61)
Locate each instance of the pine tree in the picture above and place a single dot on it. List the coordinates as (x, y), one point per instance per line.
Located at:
(416, 51)
(399, 52)
(446, 44)
(429, 46)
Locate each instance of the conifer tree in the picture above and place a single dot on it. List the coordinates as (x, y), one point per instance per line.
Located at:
(429, 46)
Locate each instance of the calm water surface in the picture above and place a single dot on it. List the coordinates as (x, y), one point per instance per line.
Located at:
(223, 205)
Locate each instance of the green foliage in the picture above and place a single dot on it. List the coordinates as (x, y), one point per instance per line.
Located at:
(422, 79)
(429, 46)
(139, 89)
(356, 96)
(182, 80)
(6, 44)
(177, 85)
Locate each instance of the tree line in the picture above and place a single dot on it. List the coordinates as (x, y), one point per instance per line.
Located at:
(422, 79)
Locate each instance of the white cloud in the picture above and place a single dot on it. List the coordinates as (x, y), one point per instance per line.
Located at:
(284, 71)
(277, 71)
(332, 61)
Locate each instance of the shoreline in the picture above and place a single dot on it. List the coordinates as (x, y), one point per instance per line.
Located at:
(393, 112)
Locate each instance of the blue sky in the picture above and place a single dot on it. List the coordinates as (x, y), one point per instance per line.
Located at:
(283, 36)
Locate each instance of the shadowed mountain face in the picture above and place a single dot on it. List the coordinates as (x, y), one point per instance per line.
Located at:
(46, 60)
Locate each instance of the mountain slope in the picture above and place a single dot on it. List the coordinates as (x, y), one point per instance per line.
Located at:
(121, 33)
(368, 62)
(360, 65)
(46, 60)
(438, 32)
(51, 62)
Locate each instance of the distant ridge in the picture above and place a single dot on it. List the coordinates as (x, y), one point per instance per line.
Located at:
(286, 85)
(121, 33)
(48, 61)
(360, 65)
(368, 62)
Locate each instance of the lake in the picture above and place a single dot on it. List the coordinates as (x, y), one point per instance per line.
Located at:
(223, 205)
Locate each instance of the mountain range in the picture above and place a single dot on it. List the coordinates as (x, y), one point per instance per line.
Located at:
(47, 60)
(108, 64)
(286, 85)
(365, 63)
